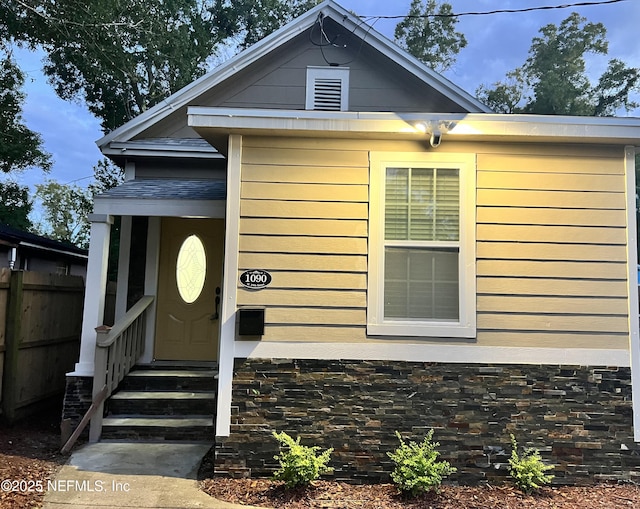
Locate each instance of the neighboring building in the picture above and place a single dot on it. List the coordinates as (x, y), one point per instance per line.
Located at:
(390, 255)
(20, 250)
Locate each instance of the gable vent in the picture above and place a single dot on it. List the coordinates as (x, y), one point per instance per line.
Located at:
(327, 94)
(327, 88)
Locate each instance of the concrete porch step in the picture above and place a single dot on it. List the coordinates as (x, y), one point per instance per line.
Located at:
(163, 403)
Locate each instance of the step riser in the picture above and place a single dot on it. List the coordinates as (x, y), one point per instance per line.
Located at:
(160, 407)
(158, 433)
(168, 384)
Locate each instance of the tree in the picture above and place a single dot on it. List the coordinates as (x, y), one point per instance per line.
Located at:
(20, 147)
(255, 19)
(15, 205)
(66, 208)
(553, 80)
(107, 176)
(122, 57)
(428, 33)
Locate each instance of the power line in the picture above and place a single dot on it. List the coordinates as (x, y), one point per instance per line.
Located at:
(502, 11)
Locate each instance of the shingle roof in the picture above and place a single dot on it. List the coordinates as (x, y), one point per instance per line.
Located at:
(168, 189)
(16, 236)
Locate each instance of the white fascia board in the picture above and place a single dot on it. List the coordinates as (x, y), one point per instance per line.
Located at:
(273, 41)
(52, 250)
(159, 208)
(405, 125)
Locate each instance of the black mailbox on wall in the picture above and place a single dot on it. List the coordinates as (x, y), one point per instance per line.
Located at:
(251, 321)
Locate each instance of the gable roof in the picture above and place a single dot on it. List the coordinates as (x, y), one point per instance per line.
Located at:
(242, 60)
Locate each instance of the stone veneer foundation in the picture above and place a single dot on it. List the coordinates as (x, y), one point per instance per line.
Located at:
(77, 400)
(580, 418)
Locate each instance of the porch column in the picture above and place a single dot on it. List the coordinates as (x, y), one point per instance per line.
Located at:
(95, 289)
(122, 288)
(151, 286)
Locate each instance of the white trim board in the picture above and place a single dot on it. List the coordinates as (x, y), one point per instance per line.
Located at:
(153, 207)
(632, 257)
(462, 354)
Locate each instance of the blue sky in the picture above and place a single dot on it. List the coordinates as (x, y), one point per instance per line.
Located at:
(496, 44)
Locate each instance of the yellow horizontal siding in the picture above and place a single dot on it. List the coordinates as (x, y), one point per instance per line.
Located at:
(558, 323)
(505, 250)
(552, 234)
(316, 280)
(305, 174)
(304, 298)
(312, 210)
(581, 160)
(537, 339)
(551, 287)
(552, 305)
(557, 199)
(551, 238)
(315, 316)
(552, 269)
(555, 216)
(304, 192)
(305, 157)
(293, 244)
(304, 262)
(316, 227)
(550, 181)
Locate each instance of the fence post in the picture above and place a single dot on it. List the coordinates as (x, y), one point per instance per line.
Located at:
(12, 345)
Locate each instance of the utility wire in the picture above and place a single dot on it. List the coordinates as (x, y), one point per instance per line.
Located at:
(502, 11)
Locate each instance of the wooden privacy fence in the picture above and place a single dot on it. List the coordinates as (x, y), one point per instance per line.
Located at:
(40, 324)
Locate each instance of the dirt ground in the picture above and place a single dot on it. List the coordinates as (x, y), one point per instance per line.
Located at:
(29, 456)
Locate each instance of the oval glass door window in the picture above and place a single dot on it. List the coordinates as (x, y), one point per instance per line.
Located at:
(191, 269)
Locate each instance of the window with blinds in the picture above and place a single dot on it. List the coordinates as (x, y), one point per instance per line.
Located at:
(422, 245)
(421, 236)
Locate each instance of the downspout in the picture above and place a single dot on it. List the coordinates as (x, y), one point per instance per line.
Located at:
(13, 257)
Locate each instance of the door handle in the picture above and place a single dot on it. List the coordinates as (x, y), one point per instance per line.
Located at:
(216, 315)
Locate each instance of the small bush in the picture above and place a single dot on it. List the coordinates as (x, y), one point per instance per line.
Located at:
(299, 464)
(417, 470)
(528, 470)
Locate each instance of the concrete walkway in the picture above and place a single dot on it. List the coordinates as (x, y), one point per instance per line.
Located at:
(138, 475)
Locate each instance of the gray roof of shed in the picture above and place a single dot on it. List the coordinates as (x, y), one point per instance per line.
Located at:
(168, 189)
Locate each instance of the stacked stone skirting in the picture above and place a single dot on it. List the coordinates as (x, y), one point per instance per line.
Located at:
(77, 400)
(580, 418)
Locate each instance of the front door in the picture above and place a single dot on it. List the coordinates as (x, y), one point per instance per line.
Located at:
(189, 282)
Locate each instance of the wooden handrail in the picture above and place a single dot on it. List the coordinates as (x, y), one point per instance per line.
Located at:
(123, 324)
(117, 350)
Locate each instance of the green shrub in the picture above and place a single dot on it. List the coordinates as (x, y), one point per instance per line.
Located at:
(417, 469)
(528, 470)
(299, 464)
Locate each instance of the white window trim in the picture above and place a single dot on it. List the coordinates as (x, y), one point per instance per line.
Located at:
(376, 323)
(334, 73)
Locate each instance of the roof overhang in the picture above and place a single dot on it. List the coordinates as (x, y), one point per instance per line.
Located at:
(212, 123)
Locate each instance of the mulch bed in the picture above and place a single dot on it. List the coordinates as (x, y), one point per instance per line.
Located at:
(29, 457)
(333, 495)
